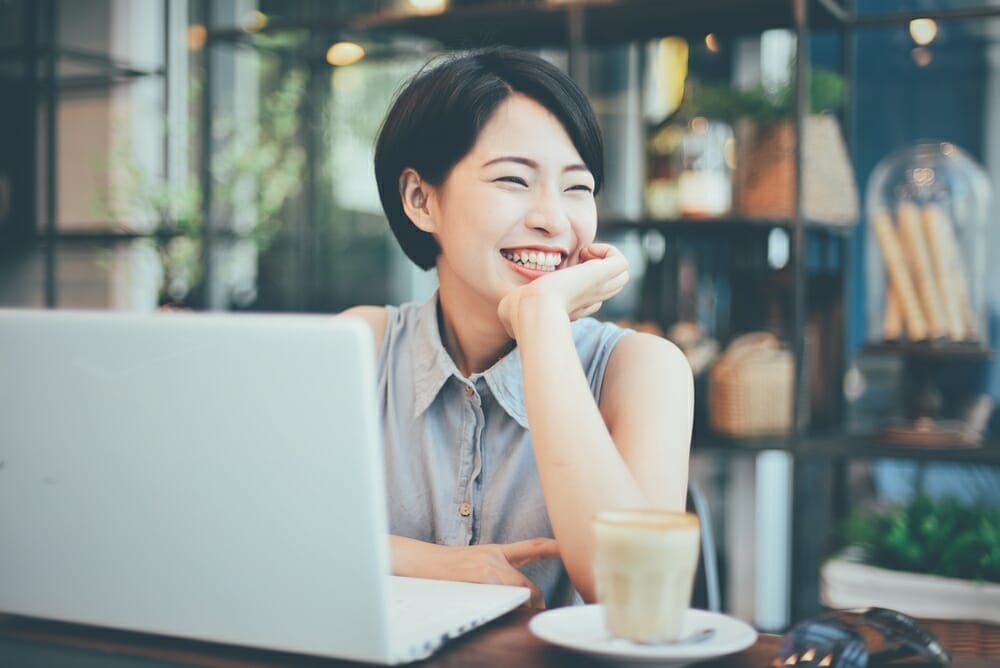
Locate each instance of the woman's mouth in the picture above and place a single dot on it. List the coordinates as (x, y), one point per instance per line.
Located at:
(534, 260)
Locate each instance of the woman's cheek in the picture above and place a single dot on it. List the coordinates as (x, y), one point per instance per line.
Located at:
(584, 216)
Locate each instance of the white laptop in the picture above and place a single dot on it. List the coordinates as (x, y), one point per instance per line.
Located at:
(215, 477)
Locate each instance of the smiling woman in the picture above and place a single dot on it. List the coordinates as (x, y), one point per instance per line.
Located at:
(511, 417)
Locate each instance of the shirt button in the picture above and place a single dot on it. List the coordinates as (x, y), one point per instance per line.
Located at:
(468, 390)
(465, 509)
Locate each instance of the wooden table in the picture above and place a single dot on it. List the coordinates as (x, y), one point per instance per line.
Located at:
(505, 642)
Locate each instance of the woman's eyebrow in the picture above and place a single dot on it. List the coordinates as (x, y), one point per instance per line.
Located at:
(512, 158)
(528, 162)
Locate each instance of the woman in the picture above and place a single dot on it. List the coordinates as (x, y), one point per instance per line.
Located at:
(510, 417)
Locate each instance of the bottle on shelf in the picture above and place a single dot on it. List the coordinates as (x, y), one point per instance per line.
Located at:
(690, 170)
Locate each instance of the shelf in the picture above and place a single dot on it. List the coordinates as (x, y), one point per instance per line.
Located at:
(88, 67)
(114, 236)
(547, 23)
(842, 446)
(710, 226)
(870, 447)
(941, 15)
(707, 442)
(604, 22)
(934, 349)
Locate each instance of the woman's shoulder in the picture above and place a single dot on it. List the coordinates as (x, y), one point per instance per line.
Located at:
(627, 346)
(595, 339)
(382, 320)
(650, 362)
(640, 348)
(376, 317)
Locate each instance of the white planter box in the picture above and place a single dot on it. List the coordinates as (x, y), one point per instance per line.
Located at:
(847, 584)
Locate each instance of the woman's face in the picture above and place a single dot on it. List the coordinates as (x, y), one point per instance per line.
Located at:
(519, 205)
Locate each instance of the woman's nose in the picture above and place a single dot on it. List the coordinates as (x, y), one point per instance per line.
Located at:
(548, 215)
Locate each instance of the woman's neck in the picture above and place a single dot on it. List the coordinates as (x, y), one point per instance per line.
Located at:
(470, 330)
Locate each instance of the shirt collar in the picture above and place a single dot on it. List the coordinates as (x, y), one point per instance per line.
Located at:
(433, 366)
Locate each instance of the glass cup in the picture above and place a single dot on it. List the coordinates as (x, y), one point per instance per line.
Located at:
(644, 566)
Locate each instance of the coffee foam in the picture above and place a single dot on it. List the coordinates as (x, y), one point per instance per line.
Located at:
(656, 520)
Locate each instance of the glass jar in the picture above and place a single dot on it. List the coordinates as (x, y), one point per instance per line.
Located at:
(927, 208)
(690, 171)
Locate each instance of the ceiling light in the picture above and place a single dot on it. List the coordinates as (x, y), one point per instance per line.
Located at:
(923, 31)
(344, 53)
(429, 6)
(197, 35)
(255, 21)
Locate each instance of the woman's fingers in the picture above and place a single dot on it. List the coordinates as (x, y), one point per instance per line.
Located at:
(516, 578)
(586, 311)
(615, 284)
(597, 251)
(525, 552)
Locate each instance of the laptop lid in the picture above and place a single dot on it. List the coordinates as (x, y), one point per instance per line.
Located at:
(216, 477)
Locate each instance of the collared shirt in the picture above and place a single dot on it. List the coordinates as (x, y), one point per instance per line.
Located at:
(460, 464)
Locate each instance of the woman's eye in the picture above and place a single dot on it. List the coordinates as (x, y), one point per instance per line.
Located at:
(513, 179)
(581, 187)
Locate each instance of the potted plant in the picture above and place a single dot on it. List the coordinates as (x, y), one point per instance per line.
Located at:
(931, 559)
(765, 140)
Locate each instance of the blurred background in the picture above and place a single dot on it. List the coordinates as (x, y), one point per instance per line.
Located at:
(217, 155)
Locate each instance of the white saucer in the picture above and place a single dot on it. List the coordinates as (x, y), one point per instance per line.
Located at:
(581, 628)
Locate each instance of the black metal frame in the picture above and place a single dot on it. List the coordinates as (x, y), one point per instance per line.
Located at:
(40, 61)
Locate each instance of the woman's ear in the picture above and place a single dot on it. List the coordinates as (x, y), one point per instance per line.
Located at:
(416, 194)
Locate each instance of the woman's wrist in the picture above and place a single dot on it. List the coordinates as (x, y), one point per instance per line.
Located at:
(411, 557)
(400, 555)
(538, 310)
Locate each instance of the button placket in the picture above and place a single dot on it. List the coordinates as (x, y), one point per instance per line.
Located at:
(472, 491)
(471, 426)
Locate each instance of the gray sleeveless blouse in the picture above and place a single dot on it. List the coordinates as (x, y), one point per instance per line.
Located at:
(460, 466)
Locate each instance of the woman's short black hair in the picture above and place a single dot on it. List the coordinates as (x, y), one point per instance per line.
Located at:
(438, 115)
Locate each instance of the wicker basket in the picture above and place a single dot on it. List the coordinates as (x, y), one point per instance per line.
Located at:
(765, 172)
(751, 386)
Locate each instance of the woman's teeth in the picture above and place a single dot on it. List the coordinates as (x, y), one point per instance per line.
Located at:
(534, 259)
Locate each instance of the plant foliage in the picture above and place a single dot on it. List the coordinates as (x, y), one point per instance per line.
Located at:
(826, 93)
(926, 536)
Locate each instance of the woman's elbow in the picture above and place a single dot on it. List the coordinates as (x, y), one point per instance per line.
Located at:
(585, 584)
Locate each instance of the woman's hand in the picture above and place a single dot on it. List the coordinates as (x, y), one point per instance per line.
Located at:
(486, 564)
(579, 290)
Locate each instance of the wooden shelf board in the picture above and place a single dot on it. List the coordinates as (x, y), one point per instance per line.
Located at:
(605, 22)
(724, 225)
(933, 349)
(837, 446)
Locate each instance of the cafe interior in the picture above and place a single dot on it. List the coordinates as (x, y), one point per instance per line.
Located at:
(807, 192)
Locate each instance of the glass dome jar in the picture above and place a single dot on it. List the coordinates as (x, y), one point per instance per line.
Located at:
(927, 208)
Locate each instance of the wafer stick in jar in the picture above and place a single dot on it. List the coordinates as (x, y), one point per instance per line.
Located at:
(899, 276)
(892, 327)
(948, 265)
(911, 233)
